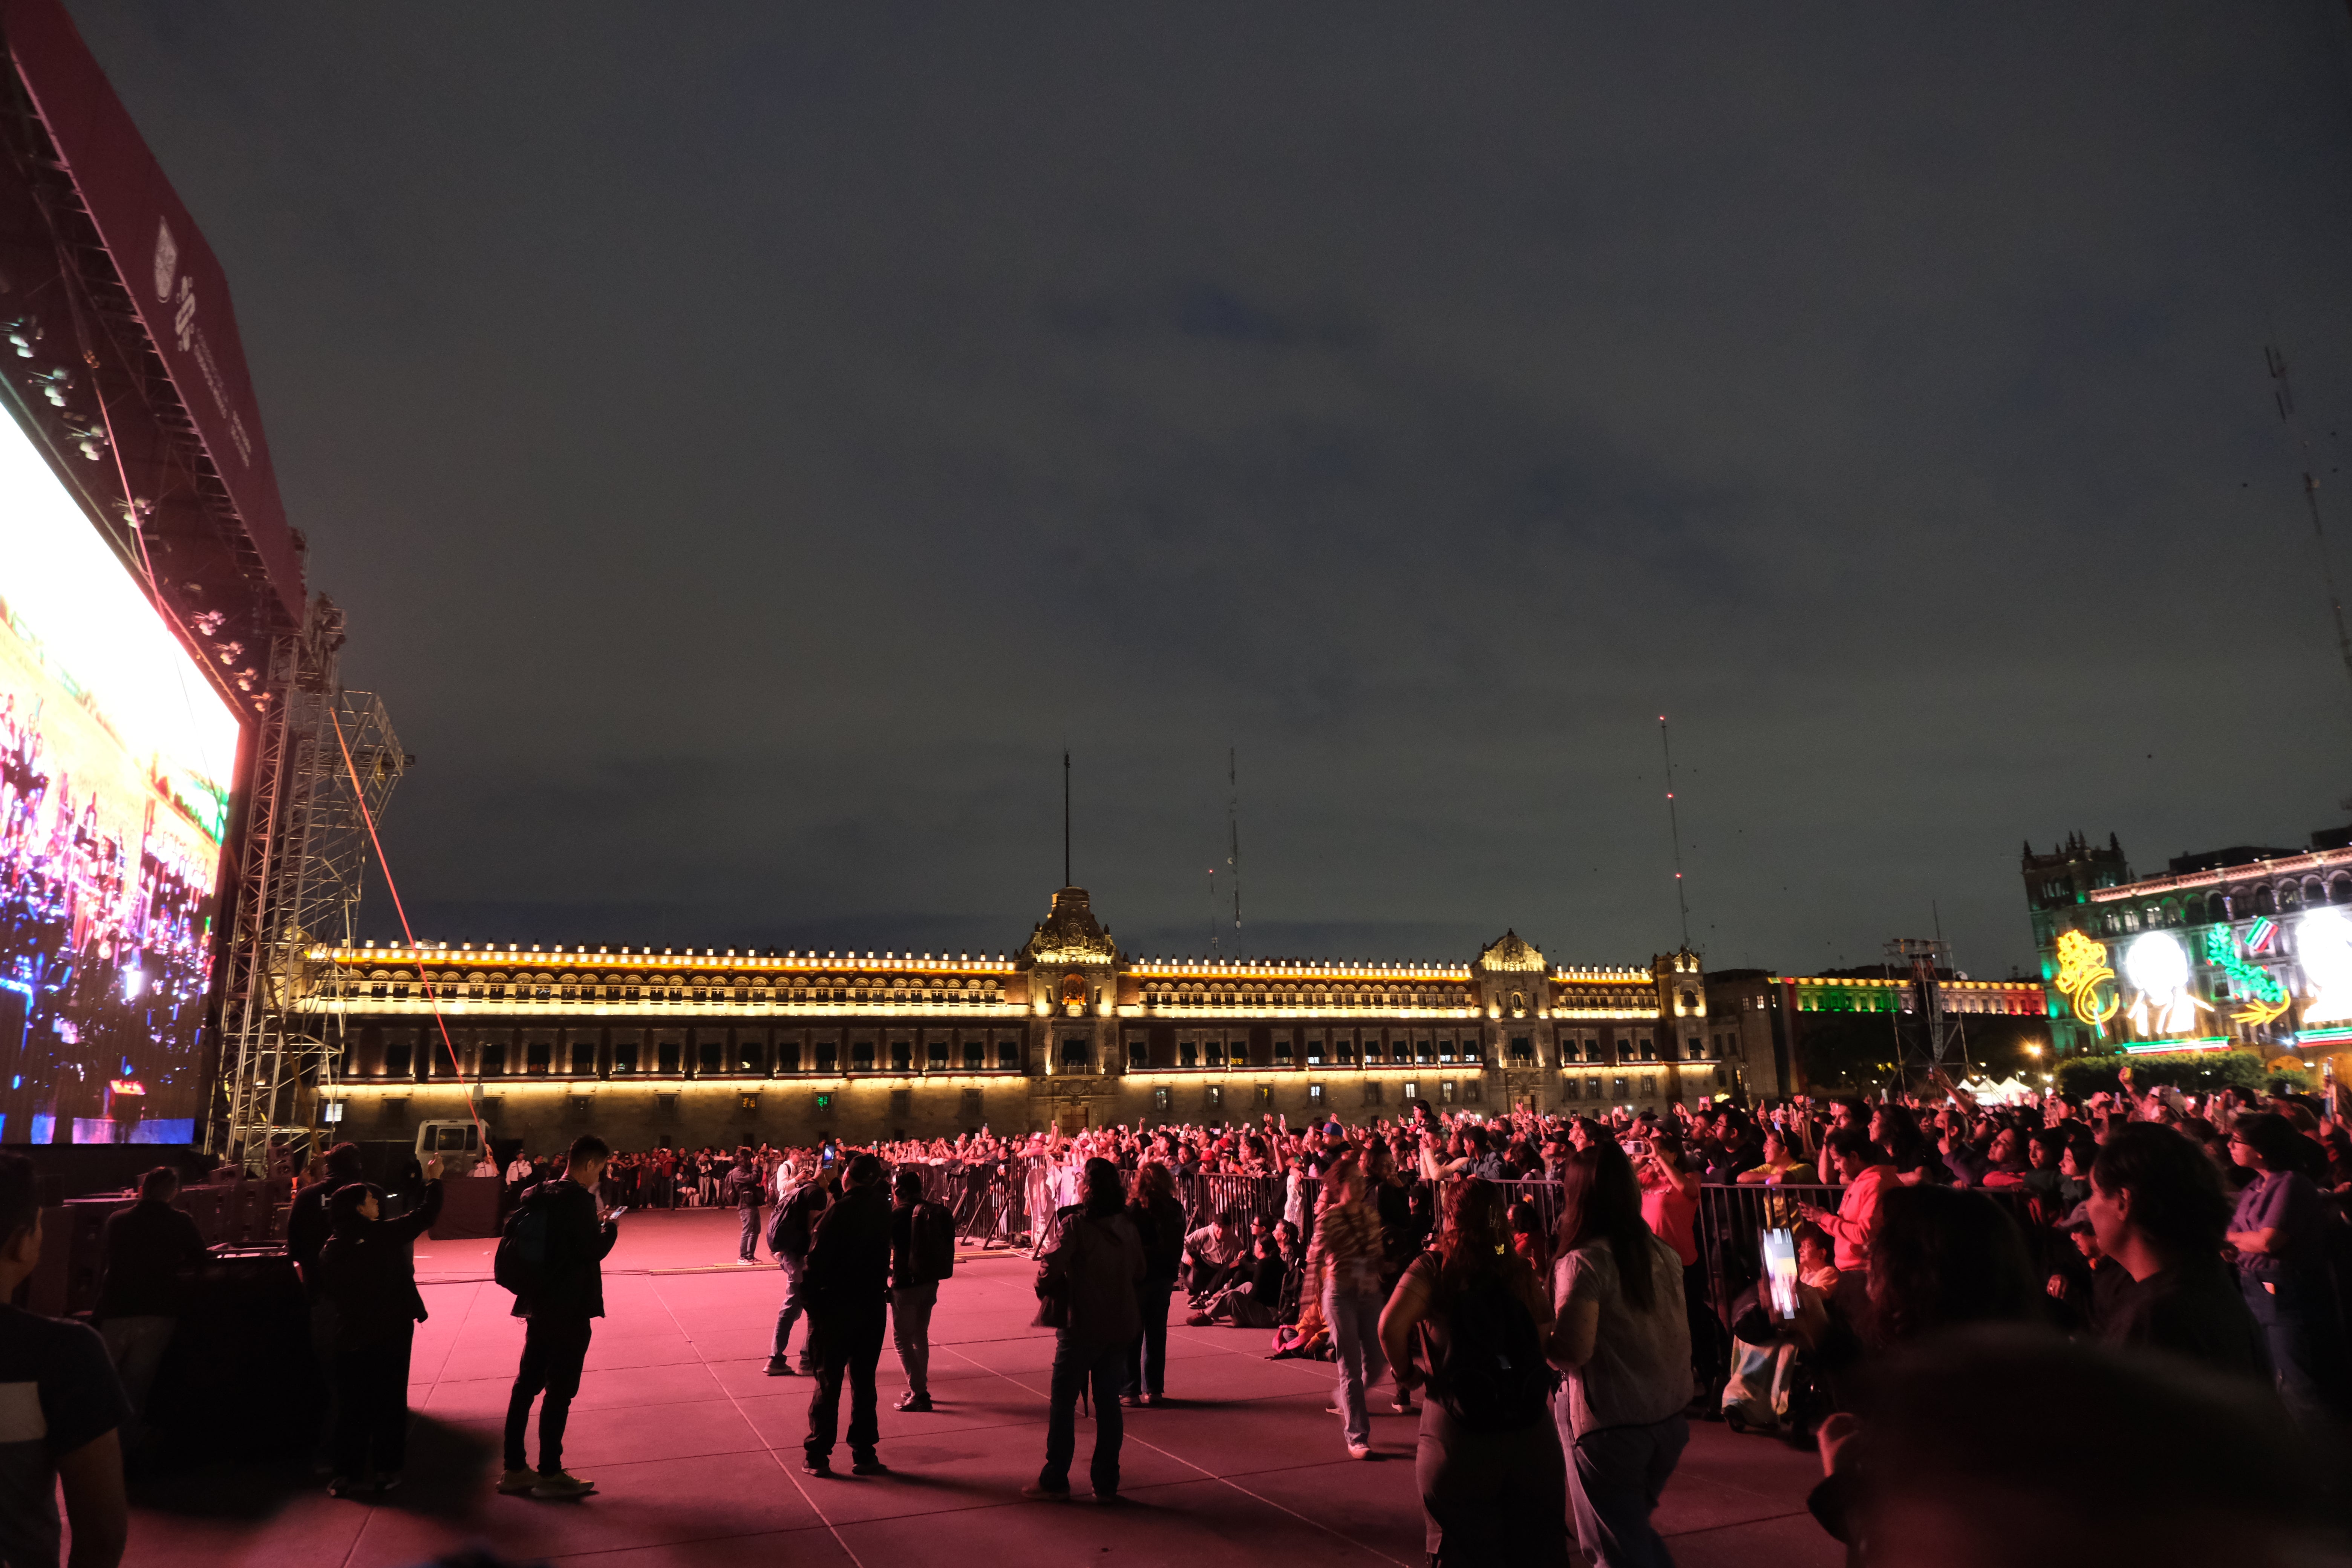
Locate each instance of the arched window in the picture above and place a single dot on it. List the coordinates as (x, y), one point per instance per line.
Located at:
(2340, 888)
(2265, 902)
(2290, 895)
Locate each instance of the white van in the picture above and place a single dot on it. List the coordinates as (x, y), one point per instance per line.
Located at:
(459, 1144)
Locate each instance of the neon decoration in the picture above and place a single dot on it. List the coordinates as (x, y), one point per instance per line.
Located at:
(2259, 996)
(2262, 935)
(2166, 1047)
(2082, 970)
(2157, 966)
(2323, 947)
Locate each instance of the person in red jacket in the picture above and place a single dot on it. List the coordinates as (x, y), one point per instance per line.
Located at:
(1863, 1166)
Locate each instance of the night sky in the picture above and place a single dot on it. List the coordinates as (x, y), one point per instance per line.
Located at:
(751, 442)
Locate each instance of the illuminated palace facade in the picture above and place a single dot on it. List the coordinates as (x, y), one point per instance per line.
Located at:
(692, 1047)
(2249, 946)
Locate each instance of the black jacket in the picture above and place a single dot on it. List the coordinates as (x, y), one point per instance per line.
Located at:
(1162, 1227)
(743, 1189)
(849, 1262)
(147, 1244)
(367, 1273)
(572, 1279)
(307, 1226)
(908, 1268)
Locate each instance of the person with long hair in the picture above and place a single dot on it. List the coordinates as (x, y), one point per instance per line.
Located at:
(1347, 1251)
(1622, 1336)
(1471, 1321)
(1098, 1263)
(1159, 1221)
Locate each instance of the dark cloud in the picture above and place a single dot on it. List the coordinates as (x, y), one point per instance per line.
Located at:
(752, 442)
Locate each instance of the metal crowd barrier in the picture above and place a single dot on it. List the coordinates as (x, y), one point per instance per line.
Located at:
(991, 1208)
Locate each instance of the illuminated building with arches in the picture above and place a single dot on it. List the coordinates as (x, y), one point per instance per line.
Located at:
(2247, 946)
(693, 1046)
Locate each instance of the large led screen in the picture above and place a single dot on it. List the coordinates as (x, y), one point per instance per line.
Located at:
(116, 764)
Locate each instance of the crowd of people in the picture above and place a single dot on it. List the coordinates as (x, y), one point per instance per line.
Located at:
(1554, 1297)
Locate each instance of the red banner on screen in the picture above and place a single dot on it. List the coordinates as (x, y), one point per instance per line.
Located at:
(179, 289)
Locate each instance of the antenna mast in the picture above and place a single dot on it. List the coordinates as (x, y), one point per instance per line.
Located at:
(2283, 395)
(1234, 832)
(1066, 817)
(1674, 826)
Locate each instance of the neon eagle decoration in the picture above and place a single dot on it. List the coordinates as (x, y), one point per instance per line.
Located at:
(2259, 996)
(2082, 970)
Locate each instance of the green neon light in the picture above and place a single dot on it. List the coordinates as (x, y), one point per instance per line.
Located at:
(2155, 1048)
(2314, 1036)
(2253, 981)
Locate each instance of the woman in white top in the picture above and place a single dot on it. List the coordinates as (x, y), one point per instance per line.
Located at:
(1622, 1337)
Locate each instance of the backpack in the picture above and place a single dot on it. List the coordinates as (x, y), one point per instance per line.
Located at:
(1493, 1376)
(934, 1240)
(789, 1228)
(520, 1264)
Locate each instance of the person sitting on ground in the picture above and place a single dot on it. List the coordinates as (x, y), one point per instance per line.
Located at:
(1214, 1253)
(1254, 1299)
(1816, 1260)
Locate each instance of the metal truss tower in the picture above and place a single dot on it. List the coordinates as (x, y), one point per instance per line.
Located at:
(299, 882)
(1931, 1038)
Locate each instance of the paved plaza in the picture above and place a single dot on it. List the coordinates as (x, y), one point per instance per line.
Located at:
(696, 1451)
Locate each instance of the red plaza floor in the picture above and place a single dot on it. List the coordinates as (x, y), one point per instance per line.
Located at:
(696, 1451)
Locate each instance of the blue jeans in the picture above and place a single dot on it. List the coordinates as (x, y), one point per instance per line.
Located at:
(1077, 1367)
(1355, 1320)
(2296, 1317)
(796, 1303)
(1615, 1478)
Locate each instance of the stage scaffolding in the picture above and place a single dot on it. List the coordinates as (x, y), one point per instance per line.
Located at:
(299, 882)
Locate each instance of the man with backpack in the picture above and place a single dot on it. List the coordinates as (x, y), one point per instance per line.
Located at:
(847, 1280)
(745, 1191)
(551, 1257)
(922, 1253)
(801, 1201)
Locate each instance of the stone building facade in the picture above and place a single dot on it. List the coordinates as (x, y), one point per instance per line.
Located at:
(694, 1047)
(2244, 947)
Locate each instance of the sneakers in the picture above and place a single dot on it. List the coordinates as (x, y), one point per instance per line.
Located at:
(869, 1465)
(780, 1366)
(389, 1481)
(562, 1484)
(916, 1403)
(818, 1465)
(517, 1483)
(1402, 1405)
(1359, 1451)
(346, 1485)
(1155, 1400)
(747, 1263)
(1038, 1492)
